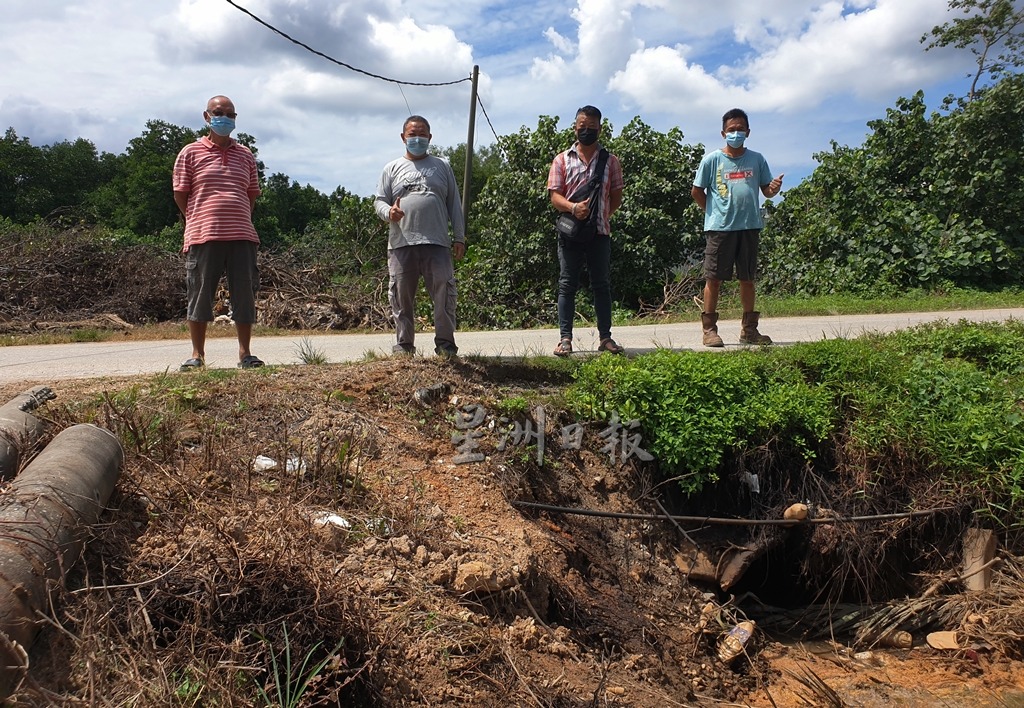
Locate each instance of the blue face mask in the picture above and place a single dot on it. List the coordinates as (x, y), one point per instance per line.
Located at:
(222, 125)
(417, 145)
(735, 139)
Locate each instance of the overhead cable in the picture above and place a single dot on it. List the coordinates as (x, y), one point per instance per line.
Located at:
(497, 140)
(339, 62)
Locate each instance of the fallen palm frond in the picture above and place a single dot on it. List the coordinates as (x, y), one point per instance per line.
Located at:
(821, 694)
(993, 617)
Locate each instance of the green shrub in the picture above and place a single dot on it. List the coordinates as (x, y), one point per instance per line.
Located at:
(940, 402)
(696, 408)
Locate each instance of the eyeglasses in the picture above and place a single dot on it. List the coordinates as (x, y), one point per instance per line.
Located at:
(221, 112)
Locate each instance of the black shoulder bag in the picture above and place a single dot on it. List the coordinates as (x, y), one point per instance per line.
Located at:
(568, 226)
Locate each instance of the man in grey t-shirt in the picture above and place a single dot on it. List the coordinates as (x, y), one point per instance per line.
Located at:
(418, 196)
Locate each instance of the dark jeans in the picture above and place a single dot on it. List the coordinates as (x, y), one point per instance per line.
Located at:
(597, 255)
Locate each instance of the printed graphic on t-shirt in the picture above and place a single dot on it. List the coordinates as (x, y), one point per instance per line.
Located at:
(417, 182)
(722, 181)
(413, 184)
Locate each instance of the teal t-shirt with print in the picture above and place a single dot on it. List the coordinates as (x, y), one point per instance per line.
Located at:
(733, 188)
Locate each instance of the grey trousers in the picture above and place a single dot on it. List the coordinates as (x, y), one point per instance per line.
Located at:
(434, 264)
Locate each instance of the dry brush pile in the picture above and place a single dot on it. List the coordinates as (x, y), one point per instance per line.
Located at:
(84, 277)
(48, 275)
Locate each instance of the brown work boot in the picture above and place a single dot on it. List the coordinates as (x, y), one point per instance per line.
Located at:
(748, 331)
(709, 320)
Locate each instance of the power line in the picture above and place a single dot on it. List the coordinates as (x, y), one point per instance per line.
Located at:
(497, 140)
(336, 61)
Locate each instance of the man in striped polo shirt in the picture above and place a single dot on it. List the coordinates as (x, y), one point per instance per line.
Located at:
(215, 187)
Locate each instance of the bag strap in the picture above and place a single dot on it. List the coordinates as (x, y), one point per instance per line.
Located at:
(598, 180)
(593, 186)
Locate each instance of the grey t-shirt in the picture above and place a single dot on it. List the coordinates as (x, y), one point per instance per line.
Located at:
(429, 197)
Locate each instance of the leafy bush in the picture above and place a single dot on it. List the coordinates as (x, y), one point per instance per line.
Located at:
(926, 201)
(992, 346)
(959, 404)
(695, 409)
(940, 402)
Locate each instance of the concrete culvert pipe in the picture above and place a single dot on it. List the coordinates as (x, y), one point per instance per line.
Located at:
(19, 429)
(44, 517)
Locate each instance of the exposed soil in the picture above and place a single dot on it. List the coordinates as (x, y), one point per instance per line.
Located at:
(437, 588)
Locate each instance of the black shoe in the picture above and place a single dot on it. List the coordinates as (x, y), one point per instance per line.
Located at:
(447, 352)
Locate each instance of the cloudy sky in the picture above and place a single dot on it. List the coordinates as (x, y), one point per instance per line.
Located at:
(806, 71)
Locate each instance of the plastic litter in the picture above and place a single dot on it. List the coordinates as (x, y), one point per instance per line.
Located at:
(379, 526)
(896, 640)
(262, 463)
(752, 481)
(796, 512)
(326, 518)
(294, 464)
(735, 641)
(943, 640)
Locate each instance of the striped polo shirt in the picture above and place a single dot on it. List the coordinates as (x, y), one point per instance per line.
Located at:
(219, 182)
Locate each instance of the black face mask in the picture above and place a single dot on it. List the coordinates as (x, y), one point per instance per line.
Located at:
(586, 136)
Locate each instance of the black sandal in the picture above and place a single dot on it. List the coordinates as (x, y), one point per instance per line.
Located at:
(250, 362)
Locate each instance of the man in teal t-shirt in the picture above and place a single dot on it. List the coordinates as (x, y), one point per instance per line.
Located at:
(726, 189)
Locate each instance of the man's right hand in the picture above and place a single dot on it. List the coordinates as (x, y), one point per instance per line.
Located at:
(396, 212)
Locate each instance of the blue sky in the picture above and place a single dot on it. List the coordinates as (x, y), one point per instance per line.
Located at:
(807, 72)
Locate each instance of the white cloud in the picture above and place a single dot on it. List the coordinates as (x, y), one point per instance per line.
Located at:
(552, 70)
(562, 44)
(606, 36)
(660, 79)
(865, 53)
(426, 53)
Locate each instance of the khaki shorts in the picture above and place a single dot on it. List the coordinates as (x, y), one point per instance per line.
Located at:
(731, 251)
(205, 263)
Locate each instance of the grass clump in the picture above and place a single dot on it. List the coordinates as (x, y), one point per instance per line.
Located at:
(309, 353)
(290, 682)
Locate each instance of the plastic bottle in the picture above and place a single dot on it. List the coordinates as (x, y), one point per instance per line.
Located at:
(733, 643)
(896, 640)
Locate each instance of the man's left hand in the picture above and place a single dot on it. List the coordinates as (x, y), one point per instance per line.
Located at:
(459, 250)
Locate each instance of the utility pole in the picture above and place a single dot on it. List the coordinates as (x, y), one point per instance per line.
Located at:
(467, 174)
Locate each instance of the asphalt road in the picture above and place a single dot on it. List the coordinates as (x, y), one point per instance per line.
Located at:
(44, 364)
